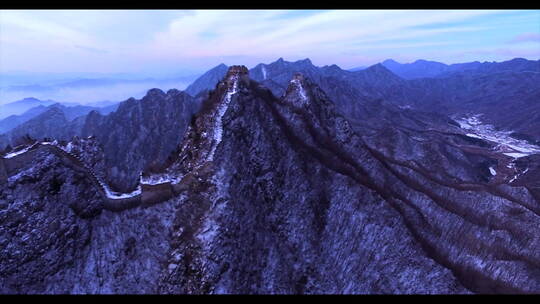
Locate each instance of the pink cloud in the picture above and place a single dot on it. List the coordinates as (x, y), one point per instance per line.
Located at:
(526, 37)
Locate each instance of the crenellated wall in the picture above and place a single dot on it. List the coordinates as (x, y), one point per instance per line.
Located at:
(150, 194)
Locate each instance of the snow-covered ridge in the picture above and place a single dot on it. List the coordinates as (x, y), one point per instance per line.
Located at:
(218, 118)
(13, 154)
(119, 195)
(507, 145)
(160, 179)
(298, 84)
(263, 68)
(106, 189)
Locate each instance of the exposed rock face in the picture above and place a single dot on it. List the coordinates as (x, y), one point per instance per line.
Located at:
(295, 202)
(428, 69)
(51, 123)
(57, 238)
(43, 230)
(287, 195)
(140, 132)
(505, 92)
(89, 151)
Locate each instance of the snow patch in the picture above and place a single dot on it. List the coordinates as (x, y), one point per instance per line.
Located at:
(110, 194)
(218, 122)
(518, 175)
(516, 155)
(473, 135)
(507, 145)
(117, 195)
(160, 179)
(13, 154)
(301, 90)
(264, 72)
(69, 147)
(492, 171)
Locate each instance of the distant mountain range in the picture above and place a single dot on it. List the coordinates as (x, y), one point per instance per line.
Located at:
(89, 90)
(426, 85)
(287, 178)
(425, 69)
(21, 106)
(71, 111)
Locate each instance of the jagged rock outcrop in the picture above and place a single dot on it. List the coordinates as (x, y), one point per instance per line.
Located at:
(286, 195)
(57, 235)
(51, 123)
(294, 201)
(140, 132)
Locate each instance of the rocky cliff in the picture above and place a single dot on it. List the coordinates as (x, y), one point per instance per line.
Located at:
(287, 195)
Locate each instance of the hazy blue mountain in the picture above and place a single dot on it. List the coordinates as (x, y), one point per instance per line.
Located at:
(207, 81)
(359, 68)
(477, 68)
(21, 106)
(12, 121)
(71, 112)
(345, 183)
(428, 69)
(417, 69)
(140, 131)
(51, 123)
(100, 104)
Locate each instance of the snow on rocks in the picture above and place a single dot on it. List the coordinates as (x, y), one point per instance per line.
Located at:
(263, 68)
(13, 154)
(518, 175)
(516, 155)
(296, 85)
(106, 189)
(160, 179)
(473, 135)
(222, 108)
(492, 171)
(117, 195)
(507, 145)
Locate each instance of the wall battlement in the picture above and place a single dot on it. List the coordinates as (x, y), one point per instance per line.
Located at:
(150, 194)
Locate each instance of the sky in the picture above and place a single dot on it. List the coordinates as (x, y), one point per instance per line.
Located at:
(162, 42)
(42, 51)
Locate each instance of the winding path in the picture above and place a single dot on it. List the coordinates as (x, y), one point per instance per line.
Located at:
(144, 195)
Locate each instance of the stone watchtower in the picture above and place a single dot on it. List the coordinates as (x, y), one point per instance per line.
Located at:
(239, 70)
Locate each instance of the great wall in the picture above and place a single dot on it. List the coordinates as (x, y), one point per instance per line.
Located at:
(146, 194)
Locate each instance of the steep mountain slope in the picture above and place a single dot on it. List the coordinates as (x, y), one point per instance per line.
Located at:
(507, 99)
(281, 195)
(20, 106)
(429, 69)
(284, 197)
(51, 123)
(137, 134)
(56, 236)
(13, 121)
(417, 69)
(207, 81)
(140, 132)
(71, 114)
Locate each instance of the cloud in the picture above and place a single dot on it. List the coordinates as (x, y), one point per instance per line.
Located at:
(91, 49)
(139, 41)
(526, 37)
(208, 34)
(113, 92)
